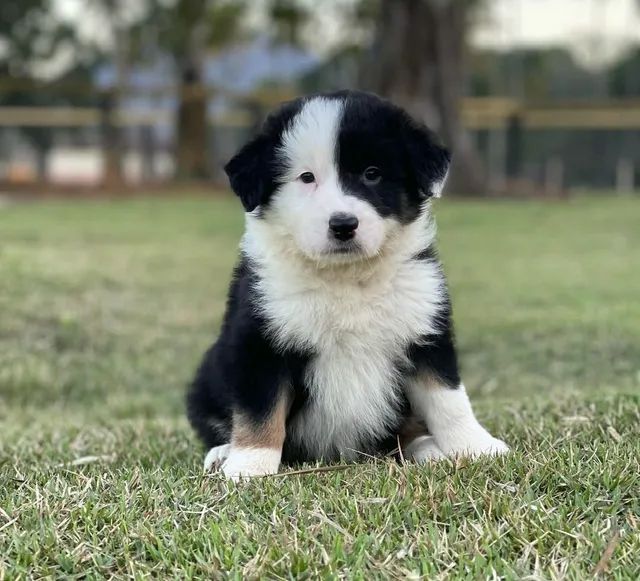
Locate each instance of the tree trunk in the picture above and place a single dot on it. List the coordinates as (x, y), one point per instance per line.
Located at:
(111, 143)
(42, 164)
(191, 156)
(418, 61)
(41, 140)
(191, 151)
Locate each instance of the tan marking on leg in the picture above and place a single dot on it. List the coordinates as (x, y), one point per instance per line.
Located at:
(256, 447)
(268, 433)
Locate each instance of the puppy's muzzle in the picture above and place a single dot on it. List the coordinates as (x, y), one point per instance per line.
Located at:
(343, 226)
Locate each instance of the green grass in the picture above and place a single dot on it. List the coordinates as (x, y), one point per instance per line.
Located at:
(106, 307)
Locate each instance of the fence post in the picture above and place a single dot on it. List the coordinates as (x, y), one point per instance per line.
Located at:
(192, 137)
(554, 176)
(625, 176)
(514, 147)
(111, 141)
(147, 153)
(497, 159)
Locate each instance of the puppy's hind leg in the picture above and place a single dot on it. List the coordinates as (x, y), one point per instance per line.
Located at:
(416, 444)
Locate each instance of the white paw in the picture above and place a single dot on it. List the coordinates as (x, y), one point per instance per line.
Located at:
(490, 447)
(473, 445)
(216, 456)
(423, 449)
(251, 462)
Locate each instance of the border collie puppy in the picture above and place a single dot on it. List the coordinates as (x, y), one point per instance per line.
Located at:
(337, 339)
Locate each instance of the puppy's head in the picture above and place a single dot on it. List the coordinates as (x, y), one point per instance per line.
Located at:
(335, 176)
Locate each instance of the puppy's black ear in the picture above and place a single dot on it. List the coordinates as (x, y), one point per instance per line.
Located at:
(251, 172)
(429, 161)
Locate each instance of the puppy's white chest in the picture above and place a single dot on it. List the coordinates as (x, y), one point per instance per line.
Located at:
(358, 334)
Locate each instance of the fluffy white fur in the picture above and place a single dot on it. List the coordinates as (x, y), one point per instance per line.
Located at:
(358, 317)
(450, 419)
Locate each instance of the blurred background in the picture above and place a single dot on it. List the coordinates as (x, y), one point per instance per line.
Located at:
(118, 236)
(535, 97)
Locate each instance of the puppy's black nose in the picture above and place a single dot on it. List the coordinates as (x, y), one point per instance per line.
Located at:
(343, 226)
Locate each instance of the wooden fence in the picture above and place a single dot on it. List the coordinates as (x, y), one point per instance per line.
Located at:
(507, 119)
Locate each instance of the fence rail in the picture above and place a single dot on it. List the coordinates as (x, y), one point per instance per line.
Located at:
(593, 143)
(92, 116)
(477, 114)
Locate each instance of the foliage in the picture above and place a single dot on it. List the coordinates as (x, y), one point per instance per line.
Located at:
(216, 22)
(30, 35)
(289, 18)
(624, 76)
(537, 74)
(107, 306)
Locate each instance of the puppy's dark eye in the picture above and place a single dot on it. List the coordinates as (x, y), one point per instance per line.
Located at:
(307, 177)
(371, 176)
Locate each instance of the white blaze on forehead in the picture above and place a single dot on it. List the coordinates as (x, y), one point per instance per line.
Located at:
(310, 143)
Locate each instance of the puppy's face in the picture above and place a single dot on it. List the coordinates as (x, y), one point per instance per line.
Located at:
(335, 176)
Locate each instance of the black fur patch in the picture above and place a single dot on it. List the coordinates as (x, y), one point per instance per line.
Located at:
(376, 133)
(253, 172)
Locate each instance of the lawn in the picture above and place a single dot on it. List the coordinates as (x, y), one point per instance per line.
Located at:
(106, 307)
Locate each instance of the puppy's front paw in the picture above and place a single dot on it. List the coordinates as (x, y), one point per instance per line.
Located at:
(251, 462)
(216, 456)
(489, 447)
(498, 447)
(473, 445)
